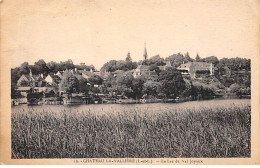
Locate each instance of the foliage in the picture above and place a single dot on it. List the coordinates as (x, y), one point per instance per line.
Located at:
(40, 67)
(212, 59)
(235, 64)
(69, 83)
(198, 58)
(83, 85)
(34, 95)
(128, 57)
(137, 87)
(175, 59)
(155, 68)
(201, 91)
(151, 88)
(172, 82)
(155, 60)
(114, 65)
(188, 133)
(14, 93)
(187, 58)
(95, 80)
(243, 91)
(50, 94)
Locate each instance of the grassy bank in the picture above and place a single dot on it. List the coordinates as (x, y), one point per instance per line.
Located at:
(209, 132)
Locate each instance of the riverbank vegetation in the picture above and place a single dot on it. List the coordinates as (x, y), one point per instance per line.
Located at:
(215, 132)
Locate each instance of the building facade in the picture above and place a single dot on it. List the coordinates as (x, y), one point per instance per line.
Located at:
(195, 68)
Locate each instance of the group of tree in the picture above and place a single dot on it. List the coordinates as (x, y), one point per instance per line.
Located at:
(234, 64)
(170, 84)
(124, 65)
(71, 84)
(239, 71)
(41, 67)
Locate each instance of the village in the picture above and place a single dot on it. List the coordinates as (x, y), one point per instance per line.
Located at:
(148, 81)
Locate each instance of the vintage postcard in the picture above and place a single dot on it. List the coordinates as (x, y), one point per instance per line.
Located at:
(135, 82)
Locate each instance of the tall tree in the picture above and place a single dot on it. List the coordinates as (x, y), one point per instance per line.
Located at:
(155, 60)
(69, 83)
(114, 65)
(83, 85)
(212, 59)
(187, 58)
(151, 88)
(175, 59)
(128, 57)
(24, 69)
(198, 58)
(95, 80)
(172, 82)
(137, 87)
(53, 66)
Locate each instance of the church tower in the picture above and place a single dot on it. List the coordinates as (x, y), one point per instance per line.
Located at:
(145, 53)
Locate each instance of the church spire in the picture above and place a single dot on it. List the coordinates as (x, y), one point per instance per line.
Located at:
(145, 52)
(30, 72)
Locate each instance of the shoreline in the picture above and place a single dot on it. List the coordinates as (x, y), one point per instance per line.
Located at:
(136, 102)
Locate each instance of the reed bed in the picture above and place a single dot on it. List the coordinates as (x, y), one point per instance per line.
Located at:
(220, 132)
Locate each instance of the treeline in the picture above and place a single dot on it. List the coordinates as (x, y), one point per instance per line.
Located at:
(41, 67)
(176, 60)
(234, 65)
(169, 84)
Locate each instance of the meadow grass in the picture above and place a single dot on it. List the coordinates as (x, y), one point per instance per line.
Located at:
(209, 132)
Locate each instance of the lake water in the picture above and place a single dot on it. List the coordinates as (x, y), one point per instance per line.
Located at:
(153, 107)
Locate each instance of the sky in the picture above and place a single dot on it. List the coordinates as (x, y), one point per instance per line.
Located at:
(96, 31)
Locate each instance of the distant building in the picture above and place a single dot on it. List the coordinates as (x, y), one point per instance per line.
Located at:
(52, 79)
(118, 73)
(31, 80)
(163, 68)
(60, 74)
(193, 68)
(143, 70)
(86, 74)
(28, 83)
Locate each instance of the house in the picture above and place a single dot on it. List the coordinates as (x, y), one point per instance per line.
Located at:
(143, 70)
(86, 74)
(31, 80)
(194, 69)
(52, 79)
(118, 73)
(60, 74)
(75, 72)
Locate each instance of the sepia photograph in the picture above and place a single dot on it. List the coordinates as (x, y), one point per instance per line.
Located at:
(130, 82)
